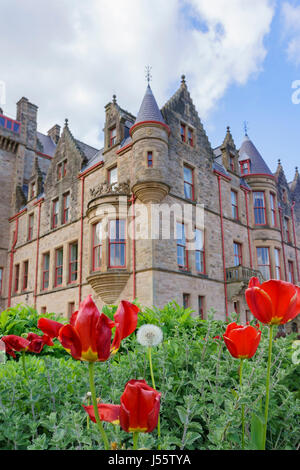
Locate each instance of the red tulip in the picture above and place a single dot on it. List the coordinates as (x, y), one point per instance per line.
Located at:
(139, 409)
(274, 302)
(242, 341)
(36, 343)
(88, 336)
(15, 343)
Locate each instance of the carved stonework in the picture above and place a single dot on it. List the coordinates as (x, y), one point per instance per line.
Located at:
(151, 191)
(106, 189)
(109, 285)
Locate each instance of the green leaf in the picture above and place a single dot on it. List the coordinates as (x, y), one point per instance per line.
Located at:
(257, 432)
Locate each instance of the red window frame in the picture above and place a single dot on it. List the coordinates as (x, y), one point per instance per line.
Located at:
(238, 253)
(112, 136)
(183, 132)
(287, 229)
(150, 159)
(191, 137)
(66, 207)
(277, 264)
(64, 165)
(58, 277)
(273, 209)
(181, 245)
(113, 243)
(235, 205)
(291, 273)
(10, 124)
(264, 265)
(97, 249)
(30, 226)
(17, 274)
(186, 298)
(202, 253)
(45, 271)
(242, 163)
(201, 300)
(189, 184)
(259, 211)
(55, 205)
(25, 275)
(1, 280)
(73, 263)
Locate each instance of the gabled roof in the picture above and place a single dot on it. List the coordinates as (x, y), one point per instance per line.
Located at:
(149, 110)
(47, 145)
(248, 151)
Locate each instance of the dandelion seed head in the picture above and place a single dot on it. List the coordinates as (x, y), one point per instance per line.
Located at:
(149, 335)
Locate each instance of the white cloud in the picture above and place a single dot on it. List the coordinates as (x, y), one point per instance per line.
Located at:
(69, 58)
(291, 20)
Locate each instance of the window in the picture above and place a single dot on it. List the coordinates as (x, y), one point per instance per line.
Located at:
(1, 280)
(43, 310)
(97, 246)
(291, 277)
(236, 306)
(61, 170)
(32, 190)
(277, 264)
(55, 210)
(17, 272)
(64, 165)
(238, 254)
(45, 272)
(286, 226)
(30, 226)
(66, 208)
(200, 253)
(273, 209)
(188, 176)
(231, 162)
(59, 175)
(182, 256)
(73, 262)
(190, 137)
(186, 300)
(245, 167)
(58, 278)
(71, 309)
(113, 176)
(150, 159)
(259, 208)
(234, 204)
(112, 136)
(183, 132)
(117, 243)
(263, 262)
(201, 306)
(25, 275)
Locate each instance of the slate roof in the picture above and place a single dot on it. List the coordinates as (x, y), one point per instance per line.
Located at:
(249, 151)
(220, 169)
(93, 161)
(149, 110)
(48, 145)
(88, 151)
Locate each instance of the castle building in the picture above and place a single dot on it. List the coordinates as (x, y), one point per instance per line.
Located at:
(72, 217)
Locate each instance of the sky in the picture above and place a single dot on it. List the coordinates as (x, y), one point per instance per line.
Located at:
(241, 59)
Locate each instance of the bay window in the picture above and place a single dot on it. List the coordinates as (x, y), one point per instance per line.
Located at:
(117, 243)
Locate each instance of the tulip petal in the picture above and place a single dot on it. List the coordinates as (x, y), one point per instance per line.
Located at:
(231, 346)
(109, 413)
(283, 297)
(70, 340)
(246, 341)
(49, 327)
(15, 343)
(260, 304)
(104, 327)
(126, 318)
(86, 325)
(36, 343)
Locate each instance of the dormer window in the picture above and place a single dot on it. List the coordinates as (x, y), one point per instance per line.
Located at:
(112, 136)
(32, 190)
(231, 162)
(245, 167)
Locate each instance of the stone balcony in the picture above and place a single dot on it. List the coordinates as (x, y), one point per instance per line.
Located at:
(238, 277)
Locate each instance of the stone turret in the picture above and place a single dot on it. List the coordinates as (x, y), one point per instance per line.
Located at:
(150, 151)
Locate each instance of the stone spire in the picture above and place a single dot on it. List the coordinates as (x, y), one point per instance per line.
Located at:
(248, 151)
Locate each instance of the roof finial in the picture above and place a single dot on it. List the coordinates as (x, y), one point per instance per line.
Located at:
(148, 73)
(183, 79)
(114, 99)
(246, 128)
(228, 129)
(66, 122)
(279, 161)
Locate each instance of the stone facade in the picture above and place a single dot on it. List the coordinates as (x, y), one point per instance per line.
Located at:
(61, 197)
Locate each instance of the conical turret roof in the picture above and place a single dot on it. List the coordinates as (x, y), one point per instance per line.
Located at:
(149, 110)
(248, 151)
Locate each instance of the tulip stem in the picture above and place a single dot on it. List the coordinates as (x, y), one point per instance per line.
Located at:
(24, 363)
(153, 385)
(94, 400)
(243, 406)
(135, 440)
(268, 386)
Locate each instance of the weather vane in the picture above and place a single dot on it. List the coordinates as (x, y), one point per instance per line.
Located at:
(148, 73)
(246, 127)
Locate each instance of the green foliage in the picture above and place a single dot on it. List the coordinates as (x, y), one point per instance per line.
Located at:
(201, 398)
